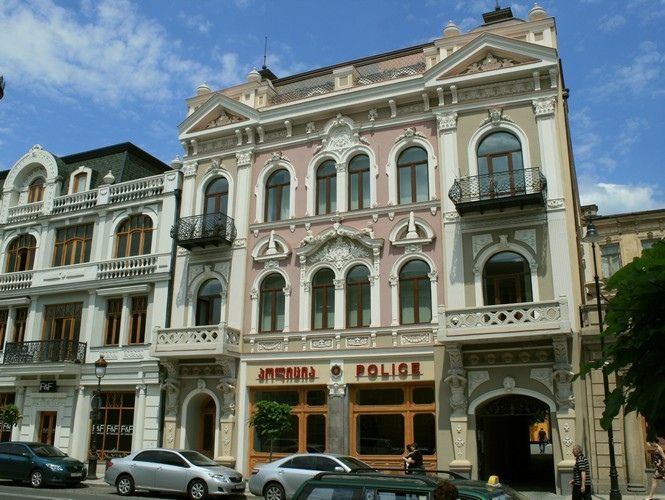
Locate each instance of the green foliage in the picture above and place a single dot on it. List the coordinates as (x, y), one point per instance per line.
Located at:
(271, 419)
(635, 340)
(10, 414)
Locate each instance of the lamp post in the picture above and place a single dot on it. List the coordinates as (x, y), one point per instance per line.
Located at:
(592, 237)
(100, 371)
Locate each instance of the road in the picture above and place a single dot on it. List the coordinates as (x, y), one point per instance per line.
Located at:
(10, 491)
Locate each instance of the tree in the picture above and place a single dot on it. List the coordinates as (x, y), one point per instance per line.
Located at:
(10, 415)
(635, 340)
(271, 419)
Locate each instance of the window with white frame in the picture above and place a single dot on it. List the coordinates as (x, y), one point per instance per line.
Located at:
(323, 300)
(359, 182)
(277, 199)
(415, 293)
(610, 257)
(412, 176)
(326, 188)
(271, 305)
(358, 297)
(507, 279)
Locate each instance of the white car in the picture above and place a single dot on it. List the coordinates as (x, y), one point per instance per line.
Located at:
(181, 471)
(279, 479)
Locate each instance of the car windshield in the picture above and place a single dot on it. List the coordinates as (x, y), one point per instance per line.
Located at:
(195, 458)
(46, 450)
(353, 463)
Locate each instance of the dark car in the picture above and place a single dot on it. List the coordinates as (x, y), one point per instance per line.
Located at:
(39, 464)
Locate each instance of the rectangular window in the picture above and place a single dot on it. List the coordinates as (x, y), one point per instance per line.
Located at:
(113, 321)
(610, 258)
(648, 243)
(62, 321)
(137, 319)
(73, 245)
(116, 425)
(4, 316)
(19, 324)
(6, 398)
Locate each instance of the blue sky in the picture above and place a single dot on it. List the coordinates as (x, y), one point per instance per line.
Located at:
(82, 74)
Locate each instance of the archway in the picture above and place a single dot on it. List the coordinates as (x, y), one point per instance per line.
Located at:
(200, 426)
(508, 434)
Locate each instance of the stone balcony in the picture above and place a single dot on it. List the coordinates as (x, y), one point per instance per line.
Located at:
(529, 320)
(402, 336)
(196, 342)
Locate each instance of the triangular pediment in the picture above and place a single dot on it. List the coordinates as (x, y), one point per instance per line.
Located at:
(218, 111)
(488, 54)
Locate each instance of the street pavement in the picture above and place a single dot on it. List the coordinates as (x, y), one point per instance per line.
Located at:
(99, 490)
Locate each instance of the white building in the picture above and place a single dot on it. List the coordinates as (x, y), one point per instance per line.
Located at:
(86, 262)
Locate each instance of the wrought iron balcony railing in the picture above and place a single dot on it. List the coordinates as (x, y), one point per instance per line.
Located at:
(203, 230)
(44, 351)
(501, 190)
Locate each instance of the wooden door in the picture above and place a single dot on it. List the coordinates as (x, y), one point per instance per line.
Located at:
(207, 439)
(47, 427)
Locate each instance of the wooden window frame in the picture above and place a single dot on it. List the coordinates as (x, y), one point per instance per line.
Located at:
(275, 190)
(21, 253)
(328, 180)
(508, 154)
(357, 288)
(20, 322)
(6, 398)
(519, 282)
(359, 173)
(412, 166)
(36, 190)
(113, 321)
(141, 224)
(80, 180)
(62, 321)
(217, 196)
(72, 243)
(208, 300)
(4, 323)
(325, 307)
(416, 299)
(50, 434)
(137, 319)
(273, 303)
(111, 402)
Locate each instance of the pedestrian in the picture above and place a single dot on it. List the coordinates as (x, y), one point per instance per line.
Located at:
(542, 440)
(413, 461)
(581, 481)
(658, 460)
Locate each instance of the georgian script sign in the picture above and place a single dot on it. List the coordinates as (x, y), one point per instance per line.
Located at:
(388, 370)
(287, 373)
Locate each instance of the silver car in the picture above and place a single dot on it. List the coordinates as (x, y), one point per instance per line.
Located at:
(182, 471)
(279, 480)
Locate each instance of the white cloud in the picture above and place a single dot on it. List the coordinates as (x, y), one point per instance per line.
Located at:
(630, 134)
(196, 21)
(106, 51)
(619, 198)
(610, 23)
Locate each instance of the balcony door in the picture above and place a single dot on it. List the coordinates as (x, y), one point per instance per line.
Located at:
(63, 322)
(47, 427)
(507, 278)
(500, 166)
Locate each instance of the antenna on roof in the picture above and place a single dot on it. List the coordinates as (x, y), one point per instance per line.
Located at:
(496, 5)
(265, 52)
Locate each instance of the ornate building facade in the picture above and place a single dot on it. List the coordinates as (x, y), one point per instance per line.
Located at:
(86, 262)
(403, 266)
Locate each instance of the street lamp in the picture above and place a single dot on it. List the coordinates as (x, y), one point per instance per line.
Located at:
(100, 371)
(592, 237)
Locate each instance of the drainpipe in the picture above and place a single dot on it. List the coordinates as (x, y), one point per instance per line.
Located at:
(167, 322)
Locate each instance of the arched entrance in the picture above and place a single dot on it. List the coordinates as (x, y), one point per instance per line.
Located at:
(508, 442)
(200, 425)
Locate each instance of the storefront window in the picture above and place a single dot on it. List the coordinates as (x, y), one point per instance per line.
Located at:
(286, 443)
(371, 396)
(423, 395)
(316, 433)
(288, 397)
(114, 432)
(316, 398)
(424, 432)
(6, 398)
(380, 434)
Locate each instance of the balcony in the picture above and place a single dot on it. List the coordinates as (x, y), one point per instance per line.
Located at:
(196, 342)
(518, 188)
(15, 281)
(204, 230)
(52, 356)
(504, 321)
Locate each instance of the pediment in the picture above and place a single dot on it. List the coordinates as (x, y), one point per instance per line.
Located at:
(488, 53)
(338, 245)
(219, 111)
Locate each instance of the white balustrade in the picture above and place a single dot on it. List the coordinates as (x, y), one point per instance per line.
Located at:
(207, 339)
(74, 202)
(127, 267)
(135, 190)
(25, 212)
(15, 281)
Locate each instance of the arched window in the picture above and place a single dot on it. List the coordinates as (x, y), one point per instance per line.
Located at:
(21, 253)
(415, 293)
(507, 279)
(359, 182)
(277, 196)
(36, 190)
(79, 182)
(209, 303)
(271, 306)
(217, 197)
(134, 236)
(323, 300)
(500, 165)
(412, 176)
(326, 188)
(358, 298)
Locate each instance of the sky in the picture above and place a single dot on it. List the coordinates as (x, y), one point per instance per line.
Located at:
(83, 74)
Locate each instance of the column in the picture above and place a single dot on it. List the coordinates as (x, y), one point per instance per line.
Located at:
(172, 387)
(224, 445)
(188, 198)
(139, 417)
(339, 304)
(393, 281)
(342, 190)
(88, 326)
(32, 331)
(242, 432)
(102, 244)
(635, 453)
(548, 139)
(459, 422)
(338, 418)
(19, 401)
(123, 338)
(375, 292)
(78, 445)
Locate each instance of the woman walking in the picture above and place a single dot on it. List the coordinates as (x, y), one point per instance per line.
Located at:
(658, 460)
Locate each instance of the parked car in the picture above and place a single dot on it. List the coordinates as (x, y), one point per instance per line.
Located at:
(39, 464)
(279, 480)
(372, 485)
(180, 471)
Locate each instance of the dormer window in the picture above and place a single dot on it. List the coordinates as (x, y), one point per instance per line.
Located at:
(36, 190)
(79, 182)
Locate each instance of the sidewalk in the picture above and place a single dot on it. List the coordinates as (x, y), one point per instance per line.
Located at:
(539, 495)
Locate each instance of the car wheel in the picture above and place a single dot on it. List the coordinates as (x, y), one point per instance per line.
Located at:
(274, 491)
(198, 490)
(124, 485)
(36, 478)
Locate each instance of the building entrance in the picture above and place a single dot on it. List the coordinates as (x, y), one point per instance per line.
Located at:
(511, 445)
